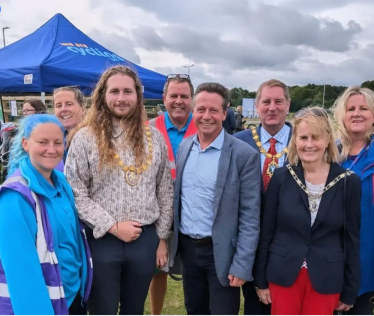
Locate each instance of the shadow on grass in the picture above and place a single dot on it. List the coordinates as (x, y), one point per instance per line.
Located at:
(174, 300)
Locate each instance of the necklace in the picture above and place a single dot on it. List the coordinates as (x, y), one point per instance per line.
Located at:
(273, 164)
(314, 190)
(133, 173)
(313, 197)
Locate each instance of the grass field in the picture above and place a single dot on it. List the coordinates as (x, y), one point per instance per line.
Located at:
(174, 300)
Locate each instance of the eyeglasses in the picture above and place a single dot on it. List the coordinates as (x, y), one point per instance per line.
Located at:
(28, 111)
(178, 76)
(315, 111)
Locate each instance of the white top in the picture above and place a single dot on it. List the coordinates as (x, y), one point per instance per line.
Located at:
(314, 189)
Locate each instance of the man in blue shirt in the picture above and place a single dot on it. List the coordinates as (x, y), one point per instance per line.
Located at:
(175, 124)
(216, 209)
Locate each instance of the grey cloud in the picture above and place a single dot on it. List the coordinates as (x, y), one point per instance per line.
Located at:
(237, 43)
(147, 38)
(273, 41)
(198, 73)
(321, 5)
(209, 48)
(279, 25)
(118, 44)
(349, 72)
(269, 24)
(367, 52)
(170, 11)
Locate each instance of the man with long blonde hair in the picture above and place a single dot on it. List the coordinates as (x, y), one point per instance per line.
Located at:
(119, 172)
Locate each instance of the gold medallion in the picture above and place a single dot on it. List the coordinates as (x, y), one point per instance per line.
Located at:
(133, 173)
(132, 177)
(273, 164)
(271, 168)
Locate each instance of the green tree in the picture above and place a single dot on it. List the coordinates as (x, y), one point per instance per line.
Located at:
(368, 84)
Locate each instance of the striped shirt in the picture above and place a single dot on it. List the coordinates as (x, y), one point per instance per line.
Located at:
(282, 141)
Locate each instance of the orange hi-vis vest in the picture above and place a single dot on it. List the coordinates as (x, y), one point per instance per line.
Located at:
(159, 123)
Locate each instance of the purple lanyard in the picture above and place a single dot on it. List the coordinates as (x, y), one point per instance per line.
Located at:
(358, 157)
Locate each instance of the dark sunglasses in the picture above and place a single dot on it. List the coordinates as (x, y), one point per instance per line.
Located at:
(178, 76)
(315, 111)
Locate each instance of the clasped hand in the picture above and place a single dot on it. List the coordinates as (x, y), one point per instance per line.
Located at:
(127, 231)
(235, 282)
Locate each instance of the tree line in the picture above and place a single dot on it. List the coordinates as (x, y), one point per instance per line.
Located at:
(301, 97)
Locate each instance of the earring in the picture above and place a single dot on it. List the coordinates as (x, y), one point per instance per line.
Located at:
(325, 156)
(296, 160)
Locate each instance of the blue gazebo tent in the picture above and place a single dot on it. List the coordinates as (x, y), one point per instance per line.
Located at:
(58, 54)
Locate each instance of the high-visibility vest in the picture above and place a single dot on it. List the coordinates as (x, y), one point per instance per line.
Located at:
(159, 123)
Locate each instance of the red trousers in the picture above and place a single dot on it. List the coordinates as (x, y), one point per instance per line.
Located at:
(301, 298)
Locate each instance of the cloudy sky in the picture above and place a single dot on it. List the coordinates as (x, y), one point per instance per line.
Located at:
(238, 43)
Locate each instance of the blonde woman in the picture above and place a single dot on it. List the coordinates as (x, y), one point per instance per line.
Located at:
(308, 255)
(354, 111)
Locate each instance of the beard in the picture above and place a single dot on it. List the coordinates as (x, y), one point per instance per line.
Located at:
(128, 118)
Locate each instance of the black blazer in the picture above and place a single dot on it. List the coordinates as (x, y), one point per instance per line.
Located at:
(286, 237)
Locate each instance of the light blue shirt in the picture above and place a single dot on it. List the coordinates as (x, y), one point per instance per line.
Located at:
(198, 188)
(175, 135)
(282, 141)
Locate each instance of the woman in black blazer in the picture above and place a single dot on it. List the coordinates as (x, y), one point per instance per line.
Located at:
(308, 256)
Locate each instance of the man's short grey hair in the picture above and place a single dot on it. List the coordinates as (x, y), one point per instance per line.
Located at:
(273, 83)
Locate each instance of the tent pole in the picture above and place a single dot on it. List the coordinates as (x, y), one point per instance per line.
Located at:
(2, 108)
(42, 97)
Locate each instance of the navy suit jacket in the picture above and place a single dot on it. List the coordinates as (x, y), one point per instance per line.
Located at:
(287, 238)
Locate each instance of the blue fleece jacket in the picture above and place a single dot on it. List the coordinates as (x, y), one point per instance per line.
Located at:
(18, 229)
(364, 168)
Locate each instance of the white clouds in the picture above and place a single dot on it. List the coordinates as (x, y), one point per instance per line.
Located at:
(239, 43)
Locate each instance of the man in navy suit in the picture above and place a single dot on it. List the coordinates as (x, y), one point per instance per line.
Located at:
(216, 209)
(270, 139)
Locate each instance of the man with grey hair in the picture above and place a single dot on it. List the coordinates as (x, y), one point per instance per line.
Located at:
(175, 124)
(270, 139)
(216, 209)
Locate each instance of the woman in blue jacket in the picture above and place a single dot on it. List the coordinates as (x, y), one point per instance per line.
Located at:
(354, 111)
(44, 259)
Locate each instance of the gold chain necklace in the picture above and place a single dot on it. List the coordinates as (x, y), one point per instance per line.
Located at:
(314, 197)
(133, 173)
(272, 165)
